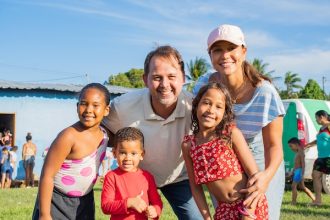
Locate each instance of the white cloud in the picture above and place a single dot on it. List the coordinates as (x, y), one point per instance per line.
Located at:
(309, 64)
(260, 39)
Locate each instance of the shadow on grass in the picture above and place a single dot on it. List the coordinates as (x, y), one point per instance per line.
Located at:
(305, 210)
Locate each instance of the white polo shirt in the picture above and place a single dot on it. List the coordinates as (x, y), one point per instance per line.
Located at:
(162, 137)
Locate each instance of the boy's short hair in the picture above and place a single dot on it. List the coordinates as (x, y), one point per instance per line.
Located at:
(14, 148)
(128, 134)
(294, 140)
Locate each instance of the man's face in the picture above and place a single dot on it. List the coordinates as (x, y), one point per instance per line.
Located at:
(164, 80)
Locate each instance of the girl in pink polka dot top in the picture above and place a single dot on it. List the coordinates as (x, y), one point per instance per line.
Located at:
(73, 160)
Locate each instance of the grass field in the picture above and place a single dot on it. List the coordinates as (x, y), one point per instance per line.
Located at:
(18, 203)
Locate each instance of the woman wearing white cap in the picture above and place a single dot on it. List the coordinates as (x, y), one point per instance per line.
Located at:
(259, 113)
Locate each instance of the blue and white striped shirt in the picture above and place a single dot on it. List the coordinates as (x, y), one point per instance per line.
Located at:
(263, 108)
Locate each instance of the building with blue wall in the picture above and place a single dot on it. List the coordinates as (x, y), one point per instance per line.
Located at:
(42, 109)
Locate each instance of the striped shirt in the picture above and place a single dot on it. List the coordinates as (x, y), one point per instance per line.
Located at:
(263, 108)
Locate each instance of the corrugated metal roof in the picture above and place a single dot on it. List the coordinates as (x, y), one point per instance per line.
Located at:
(56, 87)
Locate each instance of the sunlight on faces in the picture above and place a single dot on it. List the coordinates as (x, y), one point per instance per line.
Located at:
(129, 154)
(211, 109)
(227, 58)
(92, 107)
(164, 80)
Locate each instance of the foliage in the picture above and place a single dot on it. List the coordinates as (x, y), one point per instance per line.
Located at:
(291, 81)
(312, 90)
(198, 67)
(130, 79)
(261, 68)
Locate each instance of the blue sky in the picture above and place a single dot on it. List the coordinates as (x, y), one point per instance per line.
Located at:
(62, 41)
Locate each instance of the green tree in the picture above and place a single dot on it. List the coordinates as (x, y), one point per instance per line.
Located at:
(130, 79)
(291, 81)
(198, 67)
(261, 67)
(312, 90)
(135, 77)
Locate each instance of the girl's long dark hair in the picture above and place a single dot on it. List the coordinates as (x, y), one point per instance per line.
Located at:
(223, 128)
(323, 113)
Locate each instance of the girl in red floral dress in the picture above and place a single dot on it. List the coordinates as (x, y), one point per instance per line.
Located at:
(218, 156)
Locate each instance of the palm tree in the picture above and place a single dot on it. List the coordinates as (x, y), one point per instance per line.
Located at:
(261, 67)
(198, 67)
(291, 81)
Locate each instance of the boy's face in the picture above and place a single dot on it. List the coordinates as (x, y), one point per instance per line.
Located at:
(293, 147)
(128, 155)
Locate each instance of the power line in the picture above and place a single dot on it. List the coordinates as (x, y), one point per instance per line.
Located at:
(76, 75)
(56, 79)
(36, 68)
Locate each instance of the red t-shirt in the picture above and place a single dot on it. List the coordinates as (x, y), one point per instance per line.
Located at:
(119, 185)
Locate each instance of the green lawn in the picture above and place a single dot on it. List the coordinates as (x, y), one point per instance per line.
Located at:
(16, 204)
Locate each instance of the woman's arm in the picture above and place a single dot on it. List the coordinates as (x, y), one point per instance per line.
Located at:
(197, 190)
(23, 151)
(58, 151)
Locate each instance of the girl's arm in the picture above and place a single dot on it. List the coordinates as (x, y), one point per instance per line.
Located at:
(249, 164)
(197, 190)
(310, 144)
(58, 151)
(272, 139)
(243, 152)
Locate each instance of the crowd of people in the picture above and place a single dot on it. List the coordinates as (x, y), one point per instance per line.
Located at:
(226, 136)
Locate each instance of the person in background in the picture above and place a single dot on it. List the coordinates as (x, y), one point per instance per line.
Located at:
(13, 156)
(218, 156)
(29, 152)
(322, 163)
(72, 163)
(162, 111)
(5, 169)
(130, 192)
(298, 170)
(258, 109)
(7, 137)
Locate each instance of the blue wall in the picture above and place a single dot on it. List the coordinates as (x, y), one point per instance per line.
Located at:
(43, 113)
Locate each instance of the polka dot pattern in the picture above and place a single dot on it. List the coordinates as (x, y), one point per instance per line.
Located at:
(68, 180)
(86, 171)
(74, 193)
(77, 177)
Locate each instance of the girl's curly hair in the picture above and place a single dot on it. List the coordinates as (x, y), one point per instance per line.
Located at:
(223, 129)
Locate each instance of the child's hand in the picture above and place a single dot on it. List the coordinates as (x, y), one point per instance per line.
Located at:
(256, 188)
(137, 203)
(151, 212)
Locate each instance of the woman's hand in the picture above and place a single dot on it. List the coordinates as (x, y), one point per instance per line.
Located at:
(256, 187)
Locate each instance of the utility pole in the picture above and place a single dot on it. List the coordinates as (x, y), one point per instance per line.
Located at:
(87, 78)
(323, 81)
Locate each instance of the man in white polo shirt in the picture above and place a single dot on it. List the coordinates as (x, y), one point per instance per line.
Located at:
(162, 111)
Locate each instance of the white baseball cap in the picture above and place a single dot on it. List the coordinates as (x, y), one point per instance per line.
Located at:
(226, 32)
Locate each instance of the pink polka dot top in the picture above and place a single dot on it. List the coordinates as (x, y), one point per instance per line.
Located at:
(77, 177)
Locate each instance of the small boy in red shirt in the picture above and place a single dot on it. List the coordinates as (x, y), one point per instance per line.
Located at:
(128, 191)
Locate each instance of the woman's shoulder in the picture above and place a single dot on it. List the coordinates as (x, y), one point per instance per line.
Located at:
(266, 87)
